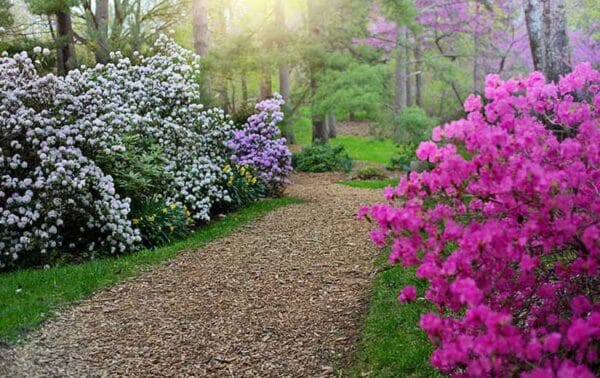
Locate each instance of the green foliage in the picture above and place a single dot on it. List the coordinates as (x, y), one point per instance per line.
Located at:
(161, 223)
(50, 6)
(322, 158)
(29, 297)
(358, 88)
(400, 161)
(244, 188)
(370, 173)
(413, 125)
(138, 171)
(6, 17)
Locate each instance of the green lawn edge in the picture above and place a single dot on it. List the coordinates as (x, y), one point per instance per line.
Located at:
(30, 297)
(391, 343)
(370, 184)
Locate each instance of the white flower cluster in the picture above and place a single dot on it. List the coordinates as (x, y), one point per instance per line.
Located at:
(53, 196)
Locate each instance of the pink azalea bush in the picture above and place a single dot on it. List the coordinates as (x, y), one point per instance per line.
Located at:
(505, 228)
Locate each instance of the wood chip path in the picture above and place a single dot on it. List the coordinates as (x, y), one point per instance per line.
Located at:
(284, 296)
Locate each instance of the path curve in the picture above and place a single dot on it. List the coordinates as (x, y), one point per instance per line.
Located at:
(283, 296)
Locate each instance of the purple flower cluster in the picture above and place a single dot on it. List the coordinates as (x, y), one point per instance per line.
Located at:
(259, 145)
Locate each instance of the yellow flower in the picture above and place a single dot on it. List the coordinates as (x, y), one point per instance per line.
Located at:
(243, 171)
(171, 228)
(164, 211)
(135, 221)
(227, 168)
(253, 180)
(173, 206)
(151, 218)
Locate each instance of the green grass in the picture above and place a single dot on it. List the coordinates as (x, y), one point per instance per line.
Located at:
(392, 344)
(367, 149)
(371, 150)
(27, 297)
(370, 184)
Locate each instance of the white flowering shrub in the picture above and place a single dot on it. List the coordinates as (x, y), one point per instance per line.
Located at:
(60, 137)
(52, 197)
(155, 98)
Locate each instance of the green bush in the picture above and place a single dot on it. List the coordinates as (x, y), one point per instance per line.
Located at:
(370, 173)
(322, 158)
(161, 223)
(400, 161)
(413, 125)
(244, 188)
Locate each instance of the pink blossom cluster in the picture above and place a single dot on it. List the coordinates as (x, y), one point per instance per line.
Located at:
(505, 228)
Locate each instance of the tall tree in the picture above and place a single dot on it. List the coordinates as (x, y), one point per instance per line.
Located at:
(284, 68)
(6, 17)
(97, 20)
(200, 26)
(66, 58)
(548, 40)
(320, 132)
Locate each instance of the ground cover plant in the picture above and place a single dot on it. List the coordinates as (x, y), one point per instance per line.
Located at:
(322, 158)
(31, 296)
(505, 230)
(370, 184)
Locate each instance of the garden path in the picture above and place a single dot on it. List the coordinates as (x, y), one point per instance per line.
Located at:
(283, 296)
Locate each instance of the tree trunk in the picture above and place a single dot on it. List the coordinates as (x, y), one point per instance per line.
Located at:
(320, 133)
(284, 69)
(244, 89)
(266, 85)
(558, 57)
(102, 49)
(400, 76)
(66, 59)
(200, 26)
(418, 75)
(476, 49)
(548, 41)
(331, 125)
(407, 66)
(136, 28)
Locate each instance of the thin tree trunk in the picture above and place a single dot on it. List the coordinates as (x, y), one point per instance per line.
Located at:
(476, 49)
(136, 29)
(418, 75)
(407, 66)
(331, 125)
(200, 26)
(102, 49)
(284, 68)
(400, 76)
(244, 89)
(266, 85)
(66, 58)
(320, 133)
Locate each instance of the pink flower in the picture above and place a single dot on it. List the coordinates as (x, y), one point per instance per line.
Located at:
(472, 103)
(408, 294)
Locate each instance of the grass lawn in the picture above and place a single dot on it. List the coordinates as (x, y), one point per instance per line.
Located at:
(28, 297)
(370, 150)
(370, 184)
(392, 344)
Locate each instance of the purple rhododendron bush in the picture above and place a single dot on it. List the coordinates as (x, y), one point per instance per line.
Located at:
(505, 228)
(71, 147)
(259, 145)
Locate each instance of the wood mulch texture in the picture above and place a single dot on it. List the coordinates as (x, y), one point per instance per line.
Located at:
(284, 296)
